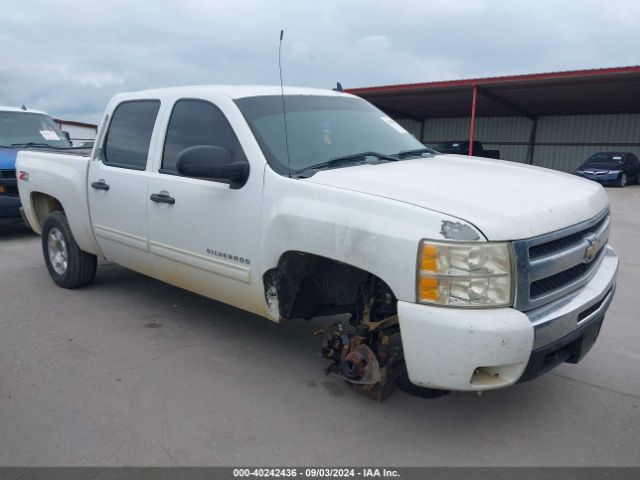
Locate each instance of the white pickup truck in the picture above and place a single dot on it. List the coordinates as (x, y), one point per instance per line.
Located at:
(458, 273)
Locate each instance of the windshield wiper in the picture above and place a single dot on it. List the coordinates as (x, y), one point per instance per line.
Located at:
(347, 159)
(33, 144)
(418, 151)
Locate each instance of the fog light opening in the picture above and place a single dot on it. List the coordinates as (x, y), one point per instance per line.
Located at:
(496, 376)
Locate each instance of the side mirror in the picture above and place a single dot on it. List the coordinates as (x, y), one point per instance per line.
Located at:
(67, 136)
(214, 163)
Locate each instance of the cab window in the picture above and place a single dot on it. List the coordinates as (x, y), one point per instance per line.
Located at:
(129, 134)
(197, 122)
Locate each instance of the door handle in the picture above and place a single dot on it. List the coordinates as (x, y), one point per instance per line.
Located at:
(162, 198)
(100, 185)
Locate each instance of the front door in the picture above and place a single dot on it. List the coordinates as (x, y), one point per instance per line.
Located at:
(204, 234)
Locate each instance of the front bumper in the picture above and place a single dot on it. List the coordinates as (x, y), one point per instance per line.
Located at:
(482, 349)
(604, 179)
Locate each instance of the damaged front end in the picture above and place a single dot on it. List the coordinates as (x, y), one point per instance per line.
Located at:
(367, 354)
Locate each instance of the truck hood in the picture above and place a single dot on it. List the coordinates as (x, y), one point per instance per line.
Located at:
(504, 200)
(8, 158)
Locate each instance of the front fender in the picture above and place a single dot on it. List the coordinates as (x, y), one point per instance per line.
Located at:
(372, 233)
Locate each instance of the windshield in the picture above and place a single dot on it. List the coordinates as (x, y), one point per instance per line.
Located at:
(606, 158)
(321, 128)
(18, 128)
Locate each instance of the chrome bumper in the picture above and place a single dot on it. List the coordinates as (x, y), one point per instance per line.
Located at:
(574, 311)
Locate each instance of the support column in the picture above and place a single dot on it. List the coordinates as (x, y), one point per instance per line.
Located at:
(472, 130)
(532, 141)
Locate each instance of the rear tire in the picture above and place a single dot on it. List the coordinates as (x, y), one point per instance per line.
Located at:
(622, 180)
(68, 266)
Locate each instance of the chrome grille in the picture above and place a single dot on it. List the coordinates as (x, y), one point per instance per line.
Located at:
(551, 265)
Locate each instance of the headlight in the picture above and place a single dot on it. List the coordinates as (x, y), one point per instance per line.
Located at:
(464, 274)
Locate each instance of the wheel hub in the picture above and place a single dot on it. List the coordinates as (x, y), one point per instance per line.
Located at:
(57, 249)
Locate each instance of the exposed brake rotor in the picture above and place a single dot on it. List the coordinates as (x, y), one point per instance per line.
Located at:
(363, 358)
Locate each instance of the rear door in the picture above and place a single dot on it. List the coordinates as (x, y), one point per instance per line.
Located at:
(118, 184)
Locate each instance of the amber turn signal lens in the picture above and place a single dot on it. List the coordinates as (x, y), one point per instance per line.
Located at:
(429, 264)
(428, 288)
(428, 261)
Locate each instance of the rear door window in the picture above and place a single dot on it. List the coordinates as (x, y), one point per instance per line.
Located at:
(129, 134)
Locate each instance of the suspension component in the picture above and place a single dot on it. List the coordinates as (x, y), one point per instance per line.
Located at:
(361, 366)
(364, 354)
(364, 358)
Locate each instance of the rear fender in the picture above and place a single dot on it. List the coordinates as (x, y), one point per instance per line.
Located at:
(52, 181)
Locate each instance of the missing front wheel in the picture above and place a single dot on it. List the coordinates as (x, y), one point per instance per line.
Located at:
(367, 357)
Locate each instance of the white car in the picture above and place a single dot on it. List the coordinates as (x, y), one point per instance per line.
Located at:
(461, 273)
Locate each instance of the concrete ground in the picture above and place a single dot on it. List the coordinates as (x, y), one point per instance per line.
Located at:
(129, 371)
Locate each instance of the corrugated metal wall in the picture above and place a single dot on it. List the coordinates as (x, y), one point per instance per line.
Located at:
(493, 132)
(562, 142)
(598, 132)
(412, 126)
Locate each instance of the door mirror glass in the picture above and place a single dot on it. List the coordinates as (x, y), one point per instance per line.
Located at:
(212, 162)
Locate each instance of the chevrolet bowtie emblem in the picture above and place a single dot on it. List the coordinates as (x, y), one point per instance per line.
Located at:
(592, 249)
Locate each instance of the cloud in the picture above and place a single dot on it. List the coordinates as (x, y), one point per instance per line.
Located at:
(69, 57)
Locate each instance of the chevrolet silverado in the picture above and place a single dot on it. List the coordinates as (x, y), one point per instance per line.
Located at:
(455, 272)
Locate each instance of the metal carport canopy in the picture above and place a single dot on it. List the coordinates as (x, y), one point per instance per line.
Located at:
(598, 91)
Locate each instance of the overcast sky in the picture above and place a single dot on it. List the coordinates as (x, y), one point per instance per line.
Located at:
(69, 56)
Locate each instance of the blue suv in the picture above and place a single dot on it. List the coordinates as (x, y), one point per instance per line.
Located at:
(22, 128)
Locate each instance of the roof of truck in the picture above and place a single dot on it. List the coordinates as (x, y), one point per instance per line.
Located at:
(238, 91)
(19, 109)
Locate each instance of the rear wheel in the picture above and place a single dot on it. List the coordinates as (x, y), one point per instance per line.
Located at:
(68, 266)
(622, 180)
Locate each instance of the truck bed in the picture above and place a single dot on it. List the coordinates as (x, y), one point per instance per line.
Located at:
(79, 151)
(56, 173)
